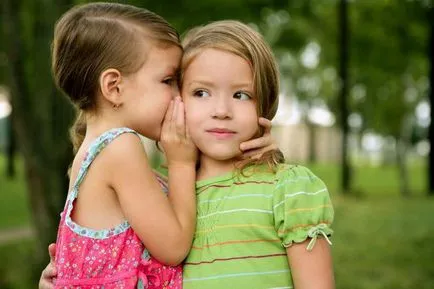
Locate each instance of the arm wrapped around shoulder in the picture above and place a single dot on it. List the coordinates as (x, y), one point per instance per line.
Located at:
(302, 207)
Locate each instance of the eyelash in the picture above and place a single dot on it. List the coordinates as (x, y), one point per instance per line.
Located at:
(168, 81)
(242, 92)
(195, 93)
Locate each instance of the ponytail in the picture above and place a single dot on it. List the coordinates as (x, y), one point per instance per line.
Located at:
(78, 131)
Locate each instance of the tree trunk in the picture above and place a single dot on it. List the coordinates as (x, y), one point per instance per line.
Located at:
(41, 115)
(343, 106)
(401, 159)
(431, 98)
(10, 148)
(312, 142)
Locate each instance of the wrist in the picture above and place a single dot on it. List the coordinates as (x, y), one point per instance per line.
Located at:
(182, 165)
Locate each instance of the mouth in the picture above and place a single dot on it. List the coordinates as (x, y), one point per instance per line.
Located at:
(221, 133)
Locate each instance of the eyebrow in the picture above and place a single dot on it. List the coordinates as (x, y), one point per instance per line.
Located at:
(200, 82)
(209, 83)
(243, 85)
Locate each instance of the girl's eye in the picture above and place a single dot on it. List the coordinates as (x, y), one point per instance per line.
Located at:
(169, 81)
(201, 93)
(242, 95)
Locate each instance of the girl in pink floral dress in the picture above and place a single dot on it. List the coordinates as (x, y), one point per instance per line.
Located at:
(118, 64)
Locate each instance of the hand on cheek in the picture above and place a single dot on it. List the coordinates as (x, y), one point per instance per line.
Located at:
(256, 147)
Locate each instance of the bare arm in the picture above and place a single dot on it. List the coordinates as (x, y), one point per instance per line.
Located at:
(181, 156)
(165, 225)
(311, 269)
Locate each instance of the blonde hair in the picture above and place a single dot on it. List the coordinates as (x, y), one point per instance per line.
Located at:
(91, 38)
(241, 40)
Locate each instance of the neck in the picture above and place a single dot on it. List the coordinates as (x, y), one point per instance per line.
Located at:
(98, 124)
(212, 168)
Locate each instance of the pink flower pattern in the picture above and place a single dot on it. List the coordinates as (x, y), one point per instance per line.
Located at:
(106, 259)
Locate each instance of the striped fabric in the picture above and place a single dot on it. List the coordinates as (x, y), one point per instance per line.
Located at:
(244, 223)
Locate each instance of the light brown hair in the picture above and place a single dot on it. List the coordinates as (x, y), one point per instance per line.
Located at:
(242, 40)
(91, 38)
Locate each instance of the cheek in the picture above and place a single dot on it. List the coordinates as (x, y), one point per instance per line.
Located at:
(165, 96)
(192, 119)
(192, 112)
(250, 120)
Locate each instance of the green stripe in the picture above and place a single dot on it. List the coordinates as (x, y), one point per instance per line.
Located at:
(241, 228)
(235, 275)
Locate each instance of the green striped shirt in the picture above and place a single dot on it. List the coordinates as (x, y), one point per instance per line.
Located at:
(245, 222)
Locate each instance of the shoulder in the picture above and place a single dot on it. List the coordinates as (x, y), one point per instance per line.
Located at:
(126, 141)
(125, 148)
(294, 171)
(302, 205)
(297, 177)
(300, 186)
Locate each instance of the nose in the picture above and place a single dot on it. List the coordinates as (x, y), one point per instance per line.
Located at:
(222, 108)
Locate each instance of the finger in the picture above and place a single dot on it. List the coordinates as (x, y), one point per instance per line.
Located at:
(187, 133)
(255, 143)
(169, 111)
(52, 252)
(253, 154)
(175, 109)
(187, 130)
(172, 124)
(266, 124)
(180, 120)
(49, 272)
(168, 117)
(46, 284)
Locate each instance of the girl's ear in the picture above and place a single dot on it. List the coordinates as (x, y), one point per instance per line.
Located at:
(109, 83)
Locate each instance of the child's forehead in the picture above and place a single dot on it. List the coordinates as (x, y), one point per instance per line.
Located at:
(210, 70)
(214, 57)
(164, 57)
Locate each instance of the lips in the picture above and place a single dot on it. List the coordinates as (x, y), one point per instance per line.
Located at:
(221, 133)
(221, 130)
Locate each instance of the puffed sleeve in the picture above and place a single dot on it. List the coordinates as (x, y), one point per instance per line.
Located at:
(302, 207)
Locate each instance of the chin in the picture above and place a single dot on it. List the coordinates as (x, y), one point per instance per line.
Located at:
(222, 155)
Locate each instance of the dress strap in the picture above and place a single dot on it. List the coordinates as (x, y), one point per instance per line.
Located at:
(94, 149)
(92, 152)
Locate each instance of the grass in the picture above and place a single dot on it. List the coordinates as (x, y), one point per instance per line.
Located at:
(381, 239)
(385, 243)
(374, 182)
(14, 205)
(16, 265)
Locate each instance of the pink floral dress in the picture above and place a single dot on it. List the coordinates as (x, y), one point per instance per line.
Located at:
(106, 259)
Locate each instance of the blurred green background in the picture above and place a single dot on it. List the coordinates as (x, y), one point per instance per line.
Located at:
(356, 79)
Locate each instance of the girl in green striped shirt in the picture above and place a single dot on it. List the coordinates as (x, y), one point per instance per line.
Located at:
(261, 223)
